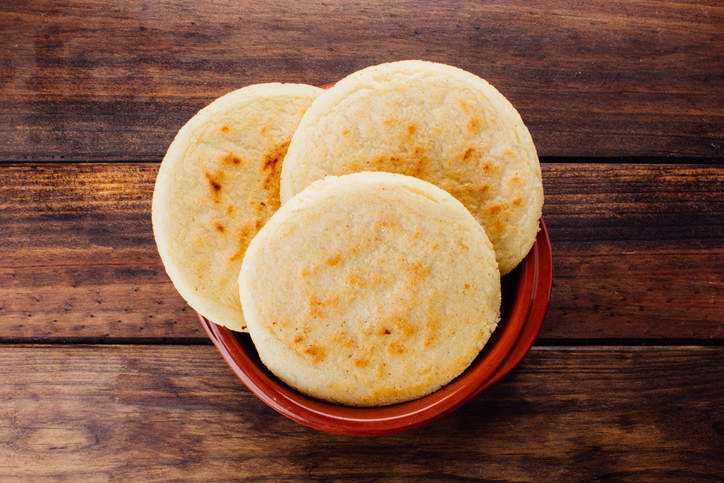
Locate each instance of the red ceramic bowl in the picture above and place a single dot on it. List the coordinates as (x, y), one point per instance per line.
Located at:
(526, 291)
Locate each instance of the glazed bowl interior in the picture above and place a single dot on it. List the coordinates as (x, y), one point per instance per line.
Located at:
(525, 295)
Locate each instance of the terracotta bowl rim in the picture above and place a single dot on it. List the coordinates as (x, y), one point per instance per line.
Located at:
(521, 321)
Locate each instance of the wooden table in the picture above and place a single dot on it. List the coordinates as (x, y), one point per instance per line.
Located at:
(107, 375)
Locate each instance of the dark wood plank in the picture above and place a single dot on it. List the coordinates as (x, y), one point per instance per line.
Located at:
(637, 250)
(85, 81)
(78, 256)
(177, 413)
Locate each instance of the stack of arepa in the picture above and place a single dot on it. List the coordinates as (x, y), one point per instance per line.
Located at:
(407, 189)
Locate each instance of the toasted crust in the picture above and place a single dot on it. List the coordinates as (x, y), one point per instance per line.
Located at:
(434, 122)
(370, 289)
(217, 185)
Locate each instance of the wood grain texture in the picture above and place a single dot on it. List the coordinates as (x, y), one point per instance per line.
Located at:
(177, 413)
(624, 382)
(638, 251)
(85, 81)
(78, 256)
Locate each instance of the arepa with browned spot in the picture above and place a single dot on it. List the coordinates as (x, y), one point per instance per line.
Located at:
(434, 122)
(370, 289)
(217, 186)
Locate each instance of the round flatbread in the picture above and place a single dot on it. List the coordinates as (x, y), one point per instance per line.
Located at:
(434, 122)
(217, 186)
(370, 289)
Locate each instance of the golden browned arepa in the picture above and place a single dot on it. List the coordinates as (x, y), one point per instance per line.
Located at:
(217, 186)
(370, 289)
(434, 122)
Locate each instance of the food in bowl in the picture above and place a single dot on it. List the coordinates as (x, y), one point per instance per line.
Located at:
(418, 128)
(525, 294)
(217, 185)
(434, 122)
(370, 289)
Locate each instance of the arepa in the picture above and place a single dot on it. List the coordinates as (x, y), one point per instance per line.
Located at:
(370, 289)
(434, 122)
(217, 186)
